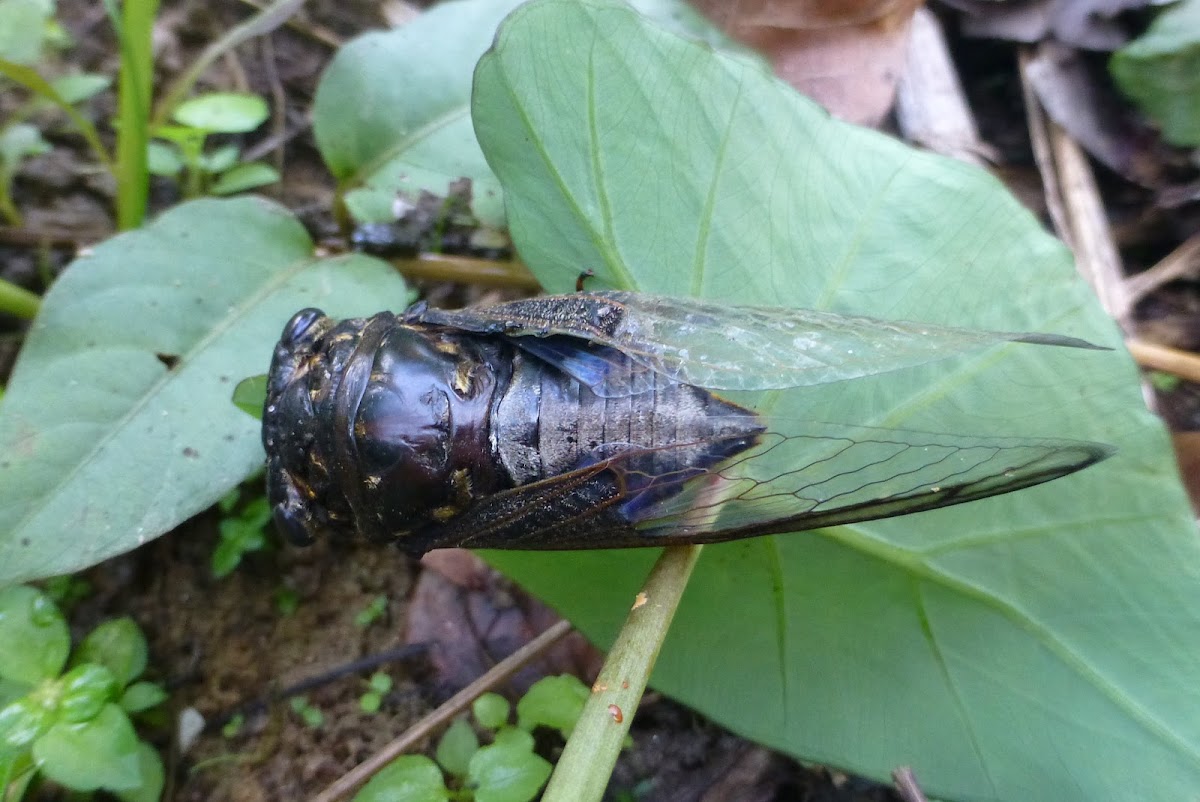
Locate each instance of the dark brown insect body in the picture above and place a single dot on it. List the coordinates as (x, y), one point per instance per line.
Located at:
(588, 421)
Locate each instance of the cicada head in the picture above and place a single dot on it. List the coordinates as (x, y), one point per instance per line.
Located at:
(374, 425)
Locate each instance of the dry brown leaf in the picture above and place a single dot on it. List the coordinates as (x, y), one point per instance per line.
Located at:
(1187, 455)
(847, 55)
(1087, 24)
(472, 617)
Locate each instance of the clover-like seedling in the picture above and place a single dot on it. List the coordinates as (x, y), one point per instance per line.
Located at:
(505, 770)
(181, 153)
(70, 720)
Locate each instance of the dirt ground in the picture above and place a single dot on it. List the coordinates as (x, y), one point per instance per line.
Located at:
(222, 646)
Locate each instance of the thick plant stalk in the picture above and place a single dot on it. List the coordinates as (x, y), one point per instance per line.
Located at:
(591, 752)
(18, 301)
(134, 23)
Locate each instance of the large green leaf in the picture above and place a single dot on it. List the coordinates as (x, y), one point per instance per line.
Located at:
(117, 423)
(392, 112)
(1043, 645)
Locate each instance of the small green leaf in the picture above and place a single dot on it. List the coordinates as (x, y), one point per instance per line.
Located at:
(310, 715)
(17, 771)
(286, 600)
(101, 753)
(554, 702)
(67, 589)
(1163, 382)
(150, 777)
(491, 710)
(508, 770)
(250, 395)
(220, 159)
(19, 141)
(118, 645)
(228, 555)
(142, 696)
(240, 534)
(370, 702)
(22, 29)
(34, 634)
(182, 135)
(409, 778)
(11, 690)
(514, 738)
(163, 159)
(372, 612)
(243, 177)
(233, 726)
(1160, 71)
(456, 747)
(78, 87)
(380, 682)
(85, 690)
(22, 722)
(230, 500)
(223, 112)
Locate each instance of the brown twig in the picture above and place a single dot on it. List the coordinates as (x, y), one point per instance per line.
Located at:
(278, 99)
(931, 107)
(906, 785)
(444, 714)
(467, 270)
(1039, 140)
(367, 663)
(313, 31)
(1180, 263)
(1183, 364)
(52, 237)
(1066, 173)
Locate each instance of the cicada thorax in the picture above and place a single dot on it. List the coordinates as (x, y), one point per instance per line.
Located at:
(379, 426)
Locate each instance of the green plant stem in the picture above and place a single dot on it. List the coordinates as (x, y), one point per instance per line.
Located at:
(18, 301)
(7, 207)
(262, 23)
(31, 80)
(134, 85)
(587, 761)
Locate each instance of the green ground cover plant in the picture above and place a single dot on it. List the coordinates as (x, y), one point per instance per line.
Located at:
(68, 720)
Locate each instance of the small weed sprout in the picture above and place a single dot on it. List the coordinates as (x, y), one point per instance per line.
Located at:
(505, 770)
(180, 154)
(69, 719)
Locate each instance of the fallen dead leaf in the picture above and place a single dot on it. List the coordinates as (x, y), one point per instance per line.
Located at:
(847, 55)
(472, 617)
(1187, 455)
(1087, 24)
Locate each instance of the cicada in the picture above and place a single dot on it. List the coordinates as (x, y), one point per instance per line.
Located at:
(594, 420)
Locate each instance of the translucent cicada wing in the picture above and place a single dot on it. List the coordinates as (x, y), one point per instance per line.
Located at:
(820, 475)
(823, 475)
(721, 347)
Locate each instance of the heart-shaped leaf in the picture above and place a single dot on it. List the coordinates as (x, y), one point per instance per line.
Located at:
(117, 423)
(1043, 645)
(392, 112)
